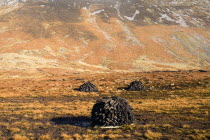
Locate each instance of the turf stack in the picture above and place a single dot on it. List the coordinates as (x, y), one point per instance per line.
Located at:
(135, 86)
(112, 111)
(88, 87)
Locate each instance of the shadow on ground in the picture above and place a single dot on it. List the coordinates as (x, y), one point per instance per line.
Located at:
(81, 121)
(76, 89)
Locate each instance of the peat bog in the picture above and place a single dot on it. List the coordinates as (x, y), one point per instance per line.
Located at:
(173, 105)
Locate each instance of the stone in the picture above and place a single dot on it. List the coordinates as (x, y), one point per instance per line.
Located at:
(112, 111)
(88, 87)
(135, 86)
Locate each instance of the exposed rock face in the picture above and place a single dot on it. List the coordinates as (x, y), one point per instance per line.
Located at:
(10, 2)
(112, 111)
(88, 87)
(135, 86)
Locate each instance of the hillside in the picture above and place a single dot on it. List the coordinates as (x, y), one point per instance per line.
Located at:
(104, 36)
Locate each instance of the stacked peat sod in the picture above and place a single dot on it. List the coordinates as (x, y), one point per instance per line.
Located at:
(202, 71)
(135, 86)
(88, 87)
(112, 111)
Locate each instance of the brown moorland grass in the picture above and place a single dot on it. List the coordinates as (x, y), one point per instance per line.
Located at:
(174, 105)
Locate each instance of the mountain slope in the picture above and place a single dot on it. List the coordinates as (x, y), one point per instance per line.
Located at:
(104, 35)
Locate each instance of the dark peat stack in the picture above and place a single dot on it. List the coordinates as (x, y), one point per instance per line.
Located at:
(135, 86)
(112, 111)
(88, 87)
(202, 70)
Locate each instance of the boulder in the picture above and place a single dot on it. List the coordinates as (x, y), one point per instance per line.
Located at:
(112, 111)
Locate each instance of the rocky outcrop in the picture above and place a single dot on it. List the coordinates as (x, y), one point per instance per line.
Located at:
(10, 2)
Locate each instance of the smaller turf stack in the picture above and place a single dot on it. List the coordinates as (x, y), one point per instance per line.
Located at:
(88, 87)
(135, 86)
(112, 111)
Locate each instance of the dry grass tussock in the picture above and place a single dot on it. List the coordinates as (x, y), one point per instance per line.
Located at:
(169, 104)
(37, 109)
